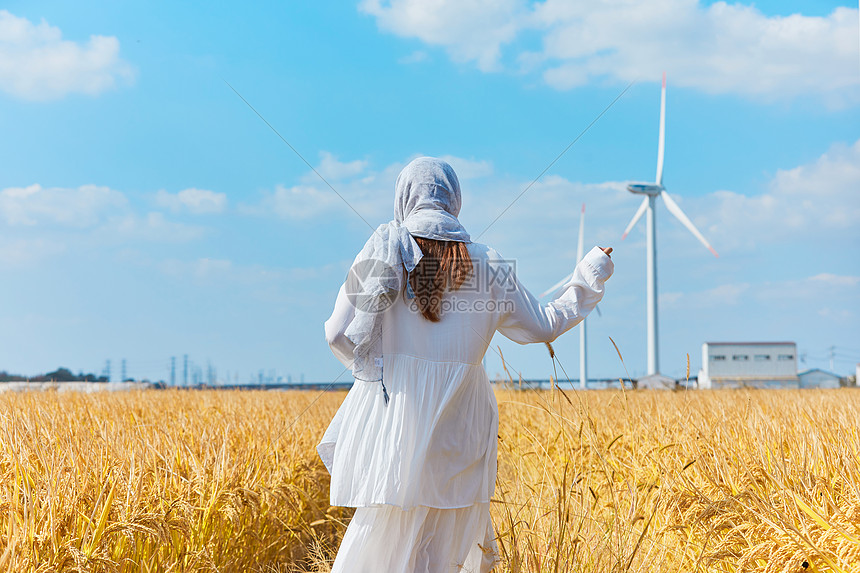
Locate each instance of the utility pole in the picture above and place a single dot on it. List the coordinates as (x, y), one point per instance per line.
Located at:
(173, 371)
(185, 370)
(832, 356)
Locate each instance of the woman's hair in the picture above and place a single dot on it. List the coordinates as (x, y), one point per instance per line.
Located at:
(445, 265)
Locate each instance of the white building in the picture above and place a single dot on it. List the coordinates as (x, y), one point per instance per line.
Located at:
(818, 378)
(749, 365)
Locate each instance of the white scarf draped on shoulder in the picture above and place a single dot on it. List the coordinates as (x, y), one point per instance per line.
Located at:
(426, 204)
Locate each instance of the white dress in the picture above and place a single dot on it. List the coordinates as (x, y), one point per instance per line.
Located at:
(421, 469)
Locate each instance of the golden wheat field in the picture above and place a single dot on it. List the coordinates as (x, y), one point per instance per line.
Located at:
(595, 481)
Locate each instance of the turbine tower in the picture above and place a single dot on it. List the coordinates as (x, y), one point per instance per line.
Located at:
(651, 192)
(583, 362)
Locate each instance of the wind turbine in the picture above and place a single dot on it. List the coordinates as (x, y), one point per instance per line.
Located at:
(583, 364)
(651, 192)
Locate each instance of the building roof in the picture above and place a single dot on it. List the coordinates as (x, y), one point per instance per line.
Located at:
(754, 378)
(811, 370)
(751, 343)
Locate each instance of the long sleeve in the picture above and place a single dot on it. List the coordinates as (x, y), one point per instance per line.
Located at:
(529, 321)
(335, 326)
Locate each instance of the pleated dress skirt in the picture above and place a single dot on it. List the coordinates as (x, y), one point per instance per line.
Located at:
(419, 540)
(420, 470)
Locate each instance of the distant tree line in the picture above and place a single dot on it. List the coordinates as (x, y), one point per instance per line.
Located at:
(58, 375)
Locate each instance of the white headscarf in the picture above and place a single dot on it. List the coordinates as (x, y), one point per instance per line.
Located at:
(426, 204)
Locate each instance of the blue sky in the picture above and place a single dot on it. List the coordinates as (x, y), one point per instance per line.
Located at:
(146, 212)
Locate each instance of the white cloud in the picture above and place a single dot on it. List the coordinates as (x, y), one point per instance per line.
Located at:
(334, 170)
(297, 202)
(468, 168)
(204, 269)
(37, 64)
(369, 192)
(719, 48)
(101, 211)
(817, 290)
(151, 227)
(415, 57)
(804, 296)
(817, 200)
(83, 206)
(837, 281)
(39, 223)
(196, 201)
(468, 29)
(551, 208)
(18, 251)
(225, 271)
(722, 296)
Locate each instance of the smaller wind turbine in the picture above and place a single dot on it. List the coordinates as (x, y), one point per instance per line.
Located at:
(583, 365)
(651, 192)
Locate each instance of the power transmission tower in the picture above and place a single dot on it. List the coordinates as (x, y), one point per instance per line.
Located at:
(173, 371)
(122, 369)
(185, 370)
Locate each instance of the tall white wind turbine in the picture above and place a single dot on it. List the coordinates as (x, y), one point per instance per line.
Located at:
(583, 363)
(651, 192)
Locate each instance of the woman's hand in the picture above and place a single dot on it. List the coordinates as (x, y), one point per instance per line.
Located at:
(607, 250)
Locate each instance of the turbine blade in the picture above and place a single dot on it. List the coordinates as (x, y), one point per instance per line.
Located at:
(579, 247)
(636, 217)
(679, 214)
(581, 244)
(556, 286)
(661, 146)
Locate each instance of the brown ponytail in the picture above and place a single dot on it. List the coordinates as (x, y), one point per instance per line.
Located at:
(445, 265)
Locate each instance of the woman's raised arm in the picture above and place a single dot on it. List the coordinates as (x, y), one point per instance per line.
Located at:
(529, 321)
